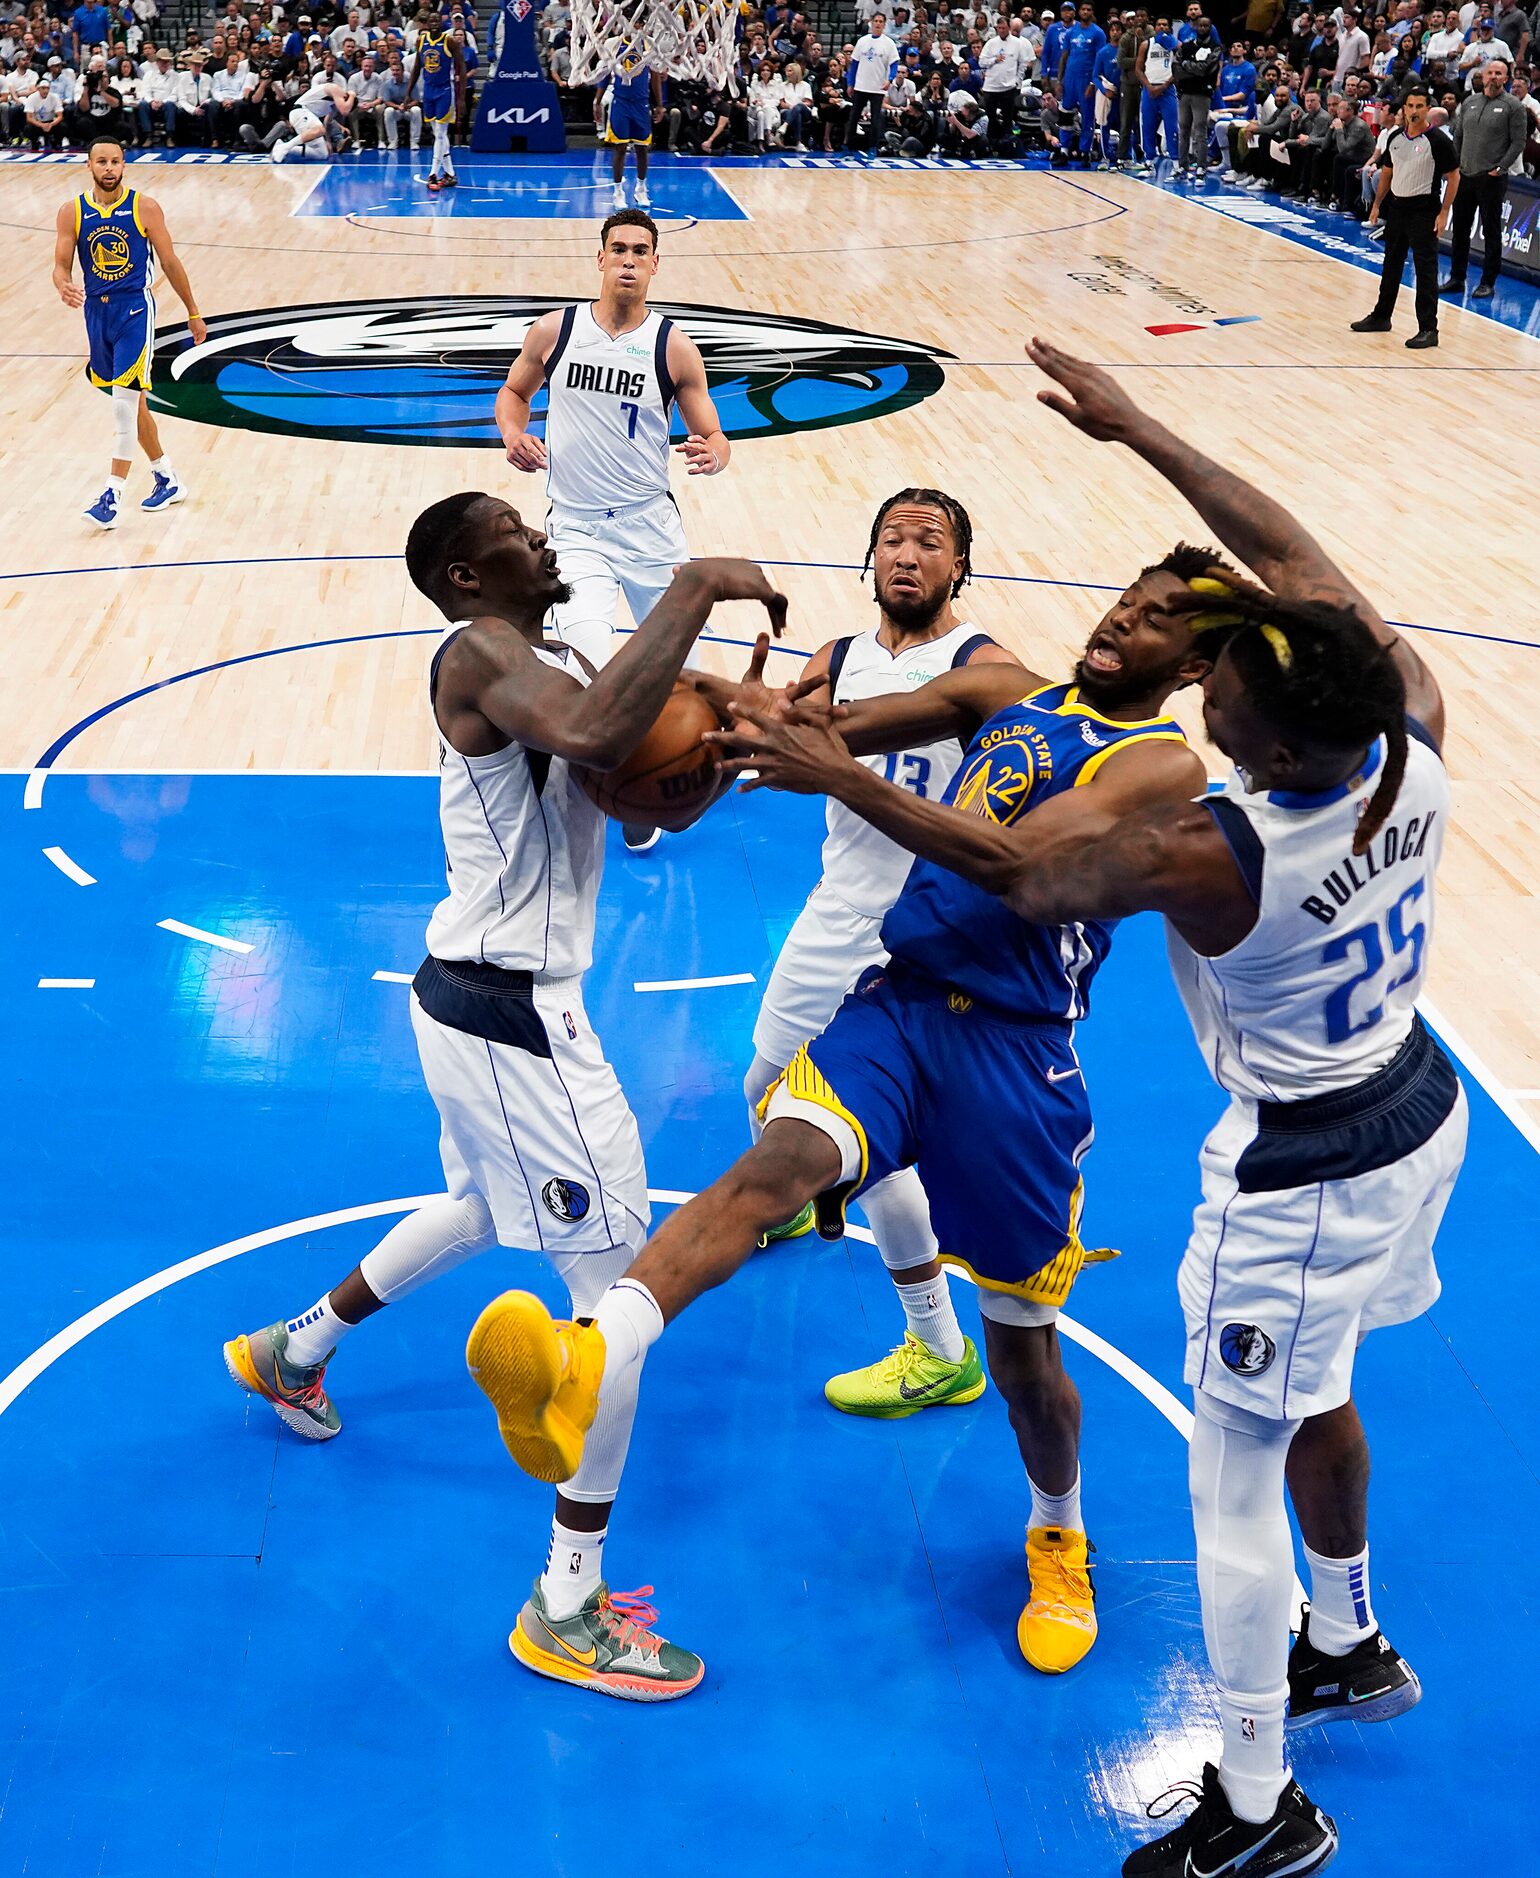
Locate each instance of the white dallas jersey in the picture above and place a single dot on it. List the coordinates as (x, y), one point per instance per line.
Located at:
(609, 406)
(525, 849)
(862, 867)
(1319, 995)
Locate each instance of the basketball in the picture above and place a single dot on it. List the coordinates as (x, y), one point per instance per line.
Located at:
(671, 778)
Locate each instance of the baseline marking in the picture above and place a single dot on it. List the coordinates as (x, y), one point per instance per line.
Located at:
(72, 868)
(392, 978)
(219, 939)
(692, 984)
(65, 984)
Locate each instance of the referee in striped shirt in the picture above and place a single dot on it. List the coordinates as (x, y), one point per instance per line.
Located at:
(1419, 174)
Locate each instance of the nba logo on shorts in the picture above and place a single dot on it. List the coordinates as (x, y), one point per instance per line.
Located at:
(565, 1198)
(566, 1018)
(1246, 1349)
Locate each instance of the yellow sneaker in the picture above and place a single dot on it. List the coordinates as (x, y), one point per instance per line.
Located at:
(543, 1379)
(1058, 1626)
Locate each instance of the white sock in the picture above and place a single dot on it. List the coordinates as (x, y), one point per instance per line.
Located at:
(1245, 1583)
(929, 1314)
(572, 1569)
(314, 1334)
(426, 1244)
(1057, 1509)
(117, 484)
(630, 1322)
(1341, 1615)
(162, 467)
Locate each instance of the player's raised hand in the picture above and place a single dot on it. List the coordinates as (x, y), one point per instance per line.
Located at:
(1094, 404)
(702, 458)
(742, 580)
(527, 452)
(802, 752)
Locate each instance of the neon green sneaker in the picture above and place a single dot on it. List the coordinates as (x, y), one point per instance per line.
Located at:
(906, 1380)
(797, 1227)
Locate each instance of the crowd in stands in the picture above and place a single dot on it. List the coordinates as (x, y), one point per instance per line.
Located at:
(1295, 98)
(232, 79)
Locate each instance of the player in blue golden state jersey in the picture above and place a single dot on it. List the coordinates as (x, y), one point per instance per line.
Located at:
(441, 67)
(958, 1056)
(118, 236)
(624, 112)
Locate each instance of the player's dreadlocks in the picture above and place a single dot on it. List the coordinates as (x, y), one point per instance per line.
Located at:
(950, 507)
(1315, 672)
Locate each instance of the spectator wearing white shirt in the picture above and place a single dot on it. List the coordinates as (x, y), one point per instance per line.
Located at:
(796, 109)
(368, 89)
(1352, 46)
(765, 95)
(44, 117)
(393, 90)
(194, 91)
(228, 92)
(16, 89)
(872, 66)
(1441, 52)
(1482, 46)
(157, 100)
(1003, 62)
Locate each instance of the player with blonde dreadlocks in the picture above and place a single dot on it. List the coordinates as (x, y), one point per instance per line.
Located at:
(1299, 903)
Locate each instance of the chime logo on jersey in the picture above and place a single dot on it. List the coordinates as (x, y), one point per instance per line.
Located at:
(427, 371)
(1246, 1349)
(565, 1198)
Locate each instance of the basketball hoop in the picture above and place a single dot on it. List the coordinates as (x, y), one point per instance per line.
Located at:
(681, 38)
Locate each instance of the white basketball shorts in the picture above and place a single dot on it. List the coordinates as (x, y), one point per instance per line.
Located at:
(1279, 1288)
(826, 951)
(632, 552)
(549, 1142)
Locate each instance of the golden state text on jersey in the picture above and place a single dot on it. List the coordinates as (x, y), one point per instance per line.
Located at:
(970, 941)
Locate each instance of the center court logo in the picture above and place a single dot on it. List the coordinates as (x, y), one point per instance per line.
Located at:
(427, 371)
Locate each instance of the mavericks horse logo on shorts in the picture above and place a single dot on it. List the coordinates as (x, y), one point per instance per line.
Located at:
(1246, 1349)
(567, 1199)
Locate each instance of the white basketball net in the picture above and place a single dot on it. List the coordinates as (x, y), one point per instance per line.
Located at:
(683, 38)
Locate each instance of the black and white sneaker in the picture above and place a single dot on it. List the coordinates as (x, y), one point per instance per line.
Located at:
(639, 838)
(1211, 1841)
(1370, 1683)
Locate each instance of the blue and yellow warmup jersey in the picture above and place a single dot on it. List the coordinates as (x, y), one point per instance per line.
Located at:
(628, 102)
(117, 266)
(115, 253)
(436, 62)
(966, 939)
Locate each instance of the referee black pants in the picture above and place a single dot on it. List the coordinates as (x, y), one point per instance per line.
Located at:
(1485, 193)
(1409, 230)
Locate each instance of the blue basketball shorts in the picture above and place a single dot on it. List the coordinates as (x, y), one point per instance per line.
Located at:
(626, 121)
(994, 1115)
(120, 332)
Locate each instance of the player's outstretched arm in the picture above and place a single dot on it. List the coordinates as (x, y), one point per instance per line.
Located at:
(159, 238)
(525, 377)
(66, 286)
(954, 704)
(705, 447)
(1258, 531)
(534, 704)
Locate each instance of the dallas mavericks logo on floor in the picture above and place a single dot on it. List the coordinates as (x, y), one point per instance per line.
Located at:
(565, 1198)
(427, 371)
(1246, 1349)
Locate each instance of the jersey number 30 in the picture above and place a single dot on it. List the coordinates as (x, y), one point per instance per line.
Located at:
(1380, 947)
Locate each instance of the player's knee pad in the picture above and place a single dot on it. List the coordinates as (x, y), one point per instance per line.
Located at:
(899, 1215)
(588, 1275)
(426, 1244)
(1245, 1553)
(125, 420)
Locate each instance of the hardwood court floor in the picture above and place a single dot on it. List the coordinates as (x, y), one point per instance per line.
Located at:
(1409, 468)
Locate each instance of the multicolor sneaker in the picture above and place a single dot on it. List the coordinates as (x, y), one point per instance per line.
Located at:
(797, 1227)
(104, 510)
(543, 1379)
(166, 494)
(257, 1364)
(608, 1645)
(1058, 1626)
(908, 1379)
